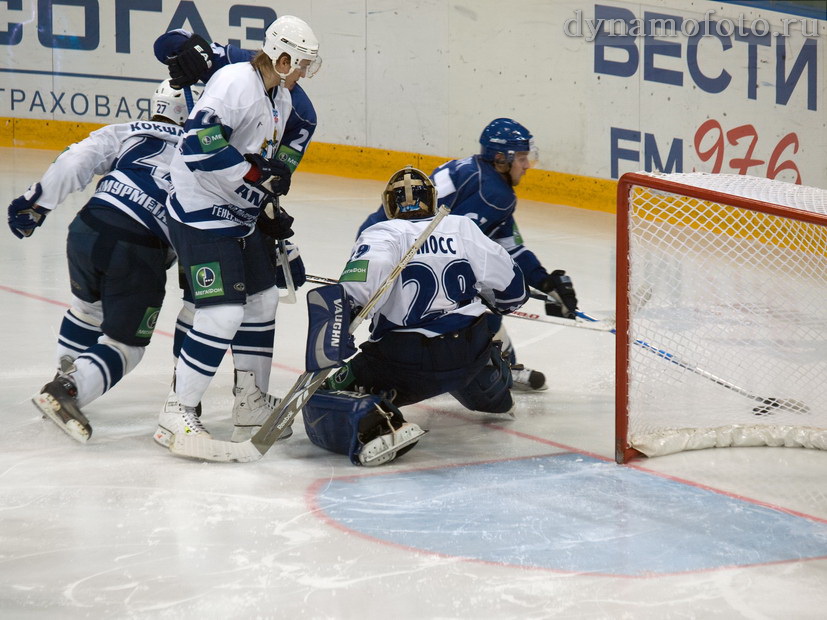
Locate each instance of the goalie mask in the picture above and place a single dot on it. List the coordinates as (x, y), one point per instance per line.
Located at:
(169, 102)
(409, 195)
(506, 136)
(292, 36)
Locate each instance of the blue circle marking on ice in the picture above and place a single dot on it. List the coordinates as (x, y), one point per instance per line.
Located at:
(569, 512)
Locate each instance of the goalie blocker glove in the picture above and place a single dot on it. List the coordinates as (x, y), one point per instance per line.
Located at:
(263, 170)
(24, 213)
(193, 60)
(563, 300)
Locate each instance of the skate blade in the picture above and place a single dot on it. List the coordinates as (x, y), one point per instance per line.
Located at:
(204, 448)
(49, 407)
(383, 452)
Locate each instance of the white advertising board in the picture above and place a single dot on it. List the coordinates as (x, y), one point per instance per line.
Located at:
(606, 87)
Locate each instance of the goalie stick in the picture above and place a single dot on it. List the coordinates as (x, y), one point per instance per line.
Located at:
(208, 449)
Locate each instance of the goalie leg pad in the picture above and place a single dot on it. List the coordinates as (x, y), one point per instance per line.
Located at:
(369, 429)
(490, 389)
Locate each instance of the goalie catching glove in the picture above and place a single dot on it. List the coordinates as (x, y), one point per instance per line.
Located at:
(273, 171)
(24, 213)
(562, 298)
(192, 61)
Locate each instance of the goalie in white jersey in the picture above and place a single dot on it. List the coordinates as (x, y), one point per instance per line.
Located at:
(118, 252)
(428, 334)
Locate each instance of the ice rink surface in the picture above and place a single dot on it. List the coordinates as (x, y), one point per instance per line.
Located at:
(486, 518)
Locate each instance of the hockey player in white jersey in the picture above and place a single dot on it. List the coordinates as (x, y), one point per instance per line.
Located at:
(118, 251)
(225, 173)
(428, 334)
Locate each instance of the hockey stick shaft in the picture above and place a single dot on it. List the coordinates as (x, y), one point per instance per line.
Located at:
(289, 297)
(593, 325)
(188, 98)
(297, 396)
(598, 326)
(773, 403)
(645, 296)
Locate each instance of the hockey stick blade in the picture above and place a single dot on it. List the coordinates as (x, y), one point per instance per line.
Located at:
(770, 405)
(207, 449)
(300, 393)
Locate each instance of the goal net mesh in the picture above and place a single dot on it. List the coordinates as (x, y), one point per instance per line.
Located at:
(725, 288)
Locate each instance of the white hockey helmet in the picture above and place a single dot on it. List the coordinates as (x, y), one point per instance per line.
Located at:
(409, 194)
(292, 36)
(169, 102)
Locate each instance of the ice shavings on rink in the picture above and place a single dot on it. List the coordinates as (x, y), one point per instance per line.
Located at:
(569, 513)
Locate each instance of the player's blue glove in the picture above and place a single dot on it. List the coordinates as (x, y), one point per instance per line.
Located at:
(559, 288)
(296, 267)
(24, 214)
(273, 170)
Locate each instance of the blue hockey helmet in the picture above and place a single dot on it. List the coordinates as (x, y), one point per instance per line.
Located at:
(409, 194)
(506, 136)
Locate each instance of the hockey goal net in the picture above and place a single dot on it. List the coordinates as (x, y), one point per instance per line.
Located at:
(721, 314)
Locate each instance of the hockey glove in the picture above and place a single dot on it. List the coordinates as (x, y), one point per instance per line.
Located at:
(191, 62)
(277, 227)
(24, 214)
(559, 287)
(262, 170)
(296, 267)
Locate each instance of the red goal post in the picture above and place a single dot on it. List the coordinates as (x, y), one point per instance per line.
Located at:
(721, 314)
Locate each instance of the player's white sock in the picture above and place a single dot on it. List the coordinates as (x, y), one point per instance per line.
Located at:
(203, 349)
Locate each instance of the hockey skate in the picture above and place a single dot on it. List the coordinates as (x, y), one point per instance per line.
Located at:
(176, 419)
(58, 401)
(527, 380)
(251, 407)
(388, 446)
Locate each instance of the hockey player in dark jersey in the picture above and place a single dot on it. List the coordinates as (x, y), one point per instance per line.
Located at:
(118, 251)
(482, 188)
